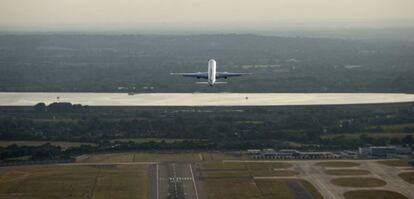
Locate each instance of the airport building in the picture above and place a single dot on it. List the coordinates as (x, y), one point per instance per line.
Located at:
(290, 154)
(383, 151)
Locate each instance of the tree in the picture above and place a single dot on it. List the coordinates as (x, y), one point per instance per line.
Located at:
(40, 107)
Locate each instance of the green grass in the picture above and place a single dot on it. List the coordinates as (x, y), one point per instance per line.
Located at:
(358, 182)
(342, 172)
(215, 156)
(337, 164)
(245, 169)
(407, 176)
(142, 140)
(280, 173)
(397, 127)
(259, 189)
(155, 157)
(226, 174)
(141, 157)
(232, 189)
(64, 145)
(395, 163)
(373, 194)
(279, 188)
(372, 135)
(235, 179)
(124, 181)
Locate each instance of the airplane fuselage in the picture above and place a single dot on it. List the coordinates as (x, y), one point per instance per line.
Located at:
(211, 72)
(211, 75)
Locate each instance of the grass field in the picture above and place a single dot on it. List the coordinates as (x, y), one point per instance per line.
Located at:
(373, 194)
(235, 180)
(407, 176)
(94, 182)
(343, 172)
(64, 145)
(155, 157)
(358, 182)
(389, 131)
(397, 127)
(244, 169)
(142, 140)
(372, 135)
(259, 189)
(232, 189)
(337, 164)
(395, 163)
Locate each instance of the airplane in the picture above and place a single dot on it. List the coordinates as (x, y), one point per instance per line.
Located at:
(211, 75)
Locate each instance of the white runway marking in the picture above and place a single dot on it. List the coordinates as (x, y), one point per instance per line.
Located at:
(157, 183)
(195, 187)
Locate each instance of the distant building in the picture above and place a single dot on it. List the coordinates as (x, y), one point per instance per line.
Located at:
(383, 151)
(291, 154)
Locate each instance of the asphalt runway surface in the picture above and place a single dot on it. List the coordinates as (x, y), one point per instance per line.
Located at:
(204, 99)
(174, 180)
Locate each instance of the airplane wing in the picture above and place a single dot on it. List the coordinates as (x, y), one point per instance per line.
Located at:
(227, 74)
(203, 75)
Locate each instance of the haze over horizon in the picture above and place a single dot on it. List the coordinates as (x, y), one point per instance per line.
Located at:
(200, 15)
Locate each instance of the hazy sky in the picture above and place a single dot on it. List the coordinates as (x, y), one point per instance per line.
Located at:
(138, 14)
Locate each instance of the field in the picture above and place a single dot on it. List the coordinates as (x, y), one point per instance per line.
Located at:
(395, 163)
(358, 182)
(407, 176)
(342, 172)
(128, 175)
(373, 194)
(372, 135)
(337, 164)
(155, 157)
(95, 182)
(287, 189)
(237, 180)
(244, 170)
(261, 189)
(64, 145)
(388, 131)
(142, 140)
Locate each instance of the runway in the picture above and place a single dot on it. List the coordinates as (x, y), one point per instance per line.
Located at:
(174, 180)
(204, 99)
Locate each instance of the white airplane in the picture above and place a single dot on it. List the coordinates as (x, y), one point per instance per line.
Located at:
(211, 75)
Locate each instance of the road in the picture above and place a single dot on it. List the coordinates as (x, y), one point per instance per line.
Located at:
(174, 180)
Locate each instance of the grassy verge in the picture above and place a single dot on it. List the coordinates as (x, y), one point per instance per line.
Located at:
(96, 182)
(395, 163)
(63, 145)
(373, 194)
(337, 164)
(343, 172)
(407, 176)
(358, 182)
